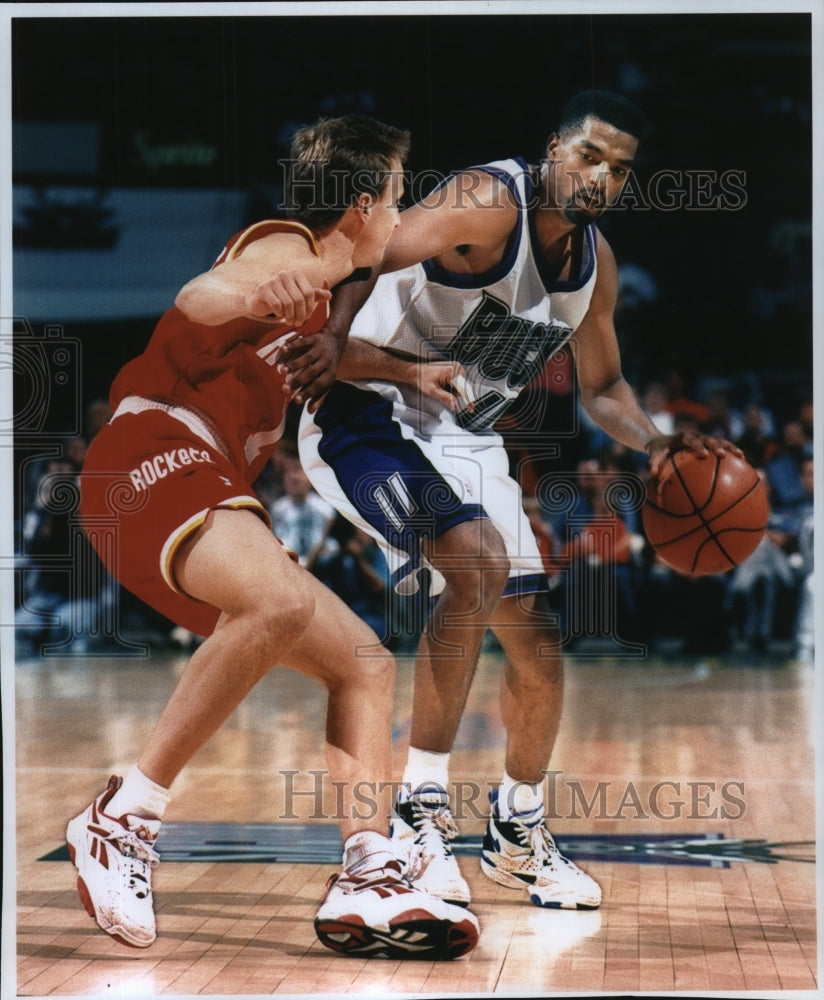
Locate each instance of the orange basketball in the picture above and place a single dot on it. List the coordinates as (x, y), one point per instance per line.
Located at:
(710, 515)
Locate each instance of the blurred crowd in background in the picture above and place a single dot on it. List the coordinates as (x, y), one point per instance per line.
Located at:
(583, 493)
(715, 310)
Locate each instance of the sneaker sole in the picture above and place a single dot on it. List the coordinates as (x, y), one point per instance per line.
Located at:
(463, 901)
(116, 933)
(513, 882)
(407, 937)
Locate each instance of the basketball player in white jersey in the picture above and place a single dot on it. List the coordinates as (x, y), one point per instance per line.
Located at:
(485, 279)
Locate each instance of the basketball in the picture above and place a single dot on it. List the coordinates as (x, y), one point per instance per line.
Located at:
(710, 515)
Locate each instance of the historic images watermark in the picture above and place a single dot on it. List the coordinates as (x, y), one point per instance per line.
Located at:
(564, 798)
(663, 190)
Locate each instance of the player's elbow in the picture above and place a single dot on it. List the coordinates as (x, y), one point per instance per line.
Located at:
(593, 395)
(201, 300)
(186, 302)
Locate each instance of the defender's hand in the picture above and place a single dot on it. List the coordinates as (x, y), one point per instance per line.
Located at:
(446, 382)
(309, 365)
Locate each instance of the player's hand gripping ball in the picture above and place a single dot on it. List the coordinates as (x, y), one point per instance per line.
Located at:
(709, 515)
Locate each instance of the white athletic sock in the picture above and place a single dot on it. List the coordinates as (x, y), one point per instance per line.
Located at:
(139, 796)
(519, 797)
(426, 773)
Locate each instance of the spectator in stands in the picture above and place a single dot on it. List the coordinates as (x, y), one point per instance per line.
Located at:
(70, 459)
(355, 569)
(755, 584)
(805, 622)
(679, 402)
(625, 480)
(722, 419)
(755, 440)
(599, 556)
(269, 485)
(544, 535)
(784, 468)
(64, 582)
(300, 518)
(805, 417)
(75, 452)
(98, 413)
(582, 501)
(655, 402)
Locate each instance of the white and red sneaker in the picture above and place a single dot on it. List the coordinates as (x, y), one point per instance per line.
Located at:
(373, 912)
(114, 857)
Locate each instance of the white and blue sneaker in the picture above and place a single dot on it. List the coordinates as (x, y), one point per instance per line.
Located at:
(521, 854)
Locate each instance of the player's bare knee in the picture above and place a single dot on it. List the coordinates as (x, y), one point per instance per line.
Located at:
(494, 564)
(533, 675)
(476, 587)
(478, 582)
(495, 575)
(377, 670)
(373, 672)
(284, 612)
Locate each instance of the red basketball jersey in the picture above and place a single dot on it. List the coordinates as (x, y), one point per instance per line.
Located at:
(225, 373)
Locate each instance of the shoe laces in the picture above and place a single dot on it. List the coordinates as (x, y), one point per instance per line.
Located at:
(434, 821)
(132, 845)
(538, 840)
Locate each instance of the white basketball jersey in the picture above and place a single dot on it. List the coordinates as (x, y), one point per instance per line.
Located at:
(502, 326)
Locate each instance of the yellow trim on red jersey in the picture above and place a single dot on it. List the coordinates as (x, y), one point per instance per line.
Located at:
(270, 227)
(176, 539)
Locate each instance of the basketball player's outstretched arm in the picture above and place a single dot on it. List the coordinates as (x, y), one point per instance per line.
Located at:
(607, 396)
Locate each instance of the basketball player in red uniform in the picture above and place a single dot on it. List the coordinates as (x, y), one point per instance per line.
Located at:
(167, 499)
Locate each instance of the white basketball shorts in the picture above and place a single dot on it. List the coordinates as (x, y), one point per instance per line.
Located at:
(366, 456)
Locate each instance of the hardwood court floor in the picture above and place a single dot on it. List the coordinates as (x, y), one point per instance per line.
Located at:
(685, 787)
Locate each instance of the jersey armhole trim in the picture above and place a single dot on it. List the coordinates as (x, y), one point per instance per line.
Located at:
(441, 276)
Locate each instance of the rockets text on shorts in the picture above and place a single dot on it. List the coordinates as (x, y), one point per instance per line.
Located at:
(164, 463)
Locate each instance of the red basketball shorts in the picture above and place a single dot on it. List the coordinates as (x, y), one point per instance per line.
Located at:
(147, 484)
